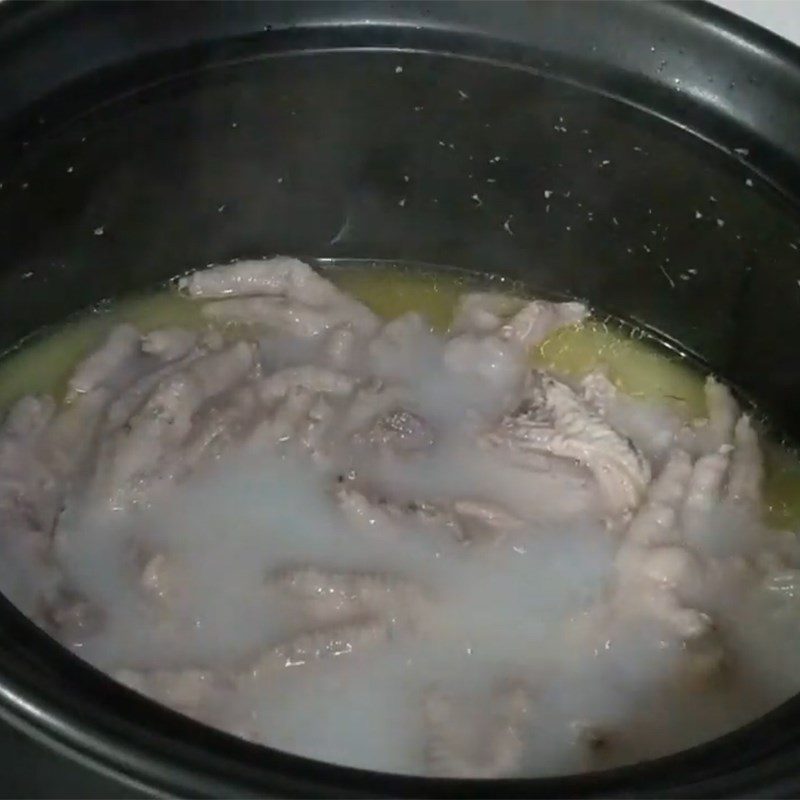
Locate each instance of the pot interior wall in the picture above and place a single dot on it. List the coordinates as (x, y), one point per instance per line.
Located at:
(415, 156)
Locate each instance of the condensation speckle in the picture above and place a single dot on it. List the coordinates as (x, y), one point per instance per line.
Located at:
(698, 215)
(646, 248)
(666, 275)
(720, 222)
(614, 220)
(280, 180)
(221, 208)
(477, 200)
(234, 124)
(463, 95)
(507, 225)
(712, 198)
(406, 179)
(605, 162)
(741, 151)
(25, 185)
(398, 69)
(548, 193)
(26, 275)
(70, 170)
(99, 230)
(402, 202)
(793, 245)
(748, 182)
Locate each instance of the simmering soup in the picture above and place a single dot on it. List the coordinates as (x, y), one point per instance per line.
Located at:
(402, 520)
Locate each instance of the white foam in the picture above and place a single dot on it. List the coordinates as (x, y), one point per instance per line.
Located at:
(501, 610)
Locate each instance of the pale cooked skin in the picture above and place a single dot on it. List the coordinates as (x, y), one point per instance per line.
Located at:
(142, 412)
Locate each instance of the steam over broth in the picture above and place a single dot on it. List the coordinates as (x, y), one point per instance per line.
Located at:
(401, 520)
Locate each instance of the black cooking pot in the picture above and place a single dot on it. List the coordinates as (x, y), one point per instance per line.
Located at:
(643, 156)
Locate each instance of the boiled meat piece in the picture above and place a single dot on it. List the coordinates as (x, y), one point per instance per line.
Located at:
(315, 379)
(500, 362)
(70, 617)
(483, 312)
(467, 520)
(331, 641)
(538, 319)
(489, 313)
(554, 421)
(27, 419)
(165, 420)
(277, 277)
(273, 313)
(704, 490)
(340, 346)
(747, 465)
(101, 368)
(368, 507)
(280, 293)
(135, 394)
(214, 432)
(483, 521)
(30, 496)
(656, 572)
(328, 596)
(653, 427)
(169, 344)
(188, 690)
(723, 412)
(459, 746)
(156, 577)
